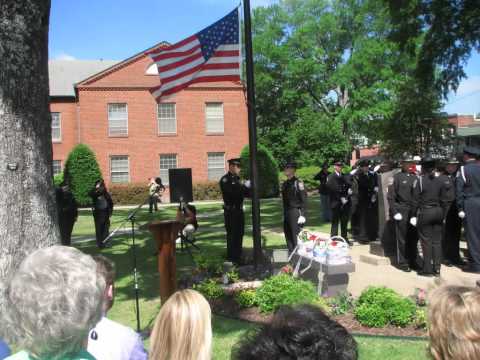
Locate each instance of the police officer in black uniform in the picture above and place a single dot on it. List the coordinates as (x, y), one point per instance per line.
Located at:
(403, 204)
(102, 210)
(468, 202)
(434, 197)
(367, 207)
(340, 189)
(234, 192)
(294, 197)
(67, 212)
(452, 228)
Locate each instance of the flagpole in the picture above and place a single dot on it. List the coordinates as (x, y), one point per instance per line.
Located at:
(252, 134)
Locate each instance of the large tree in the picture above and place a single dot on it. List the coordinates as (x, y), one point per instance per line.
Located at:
(28, 217)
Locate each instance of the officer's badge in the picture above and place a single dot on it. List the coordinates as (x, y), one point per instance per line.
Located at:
(404, 181)
(224, 180)
(301, 186)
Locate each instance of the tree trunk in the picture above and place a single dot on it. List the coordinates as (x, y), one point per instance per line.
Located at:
(28, 218)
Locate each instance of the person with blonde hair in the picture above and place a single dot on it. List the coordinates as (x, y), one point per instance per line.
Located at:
(454, 323)
(183, 328)
(53, 299)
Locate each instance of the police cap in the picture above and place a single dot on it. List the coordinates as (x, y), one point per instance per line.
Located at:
(235, 161)
(364, 162)
(290, 165)
(471, 150)
(338, 163)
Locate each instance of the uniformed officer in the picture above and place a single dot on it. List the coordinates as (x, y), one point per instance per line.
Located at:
(323, 191)
(402, 203)
(453, 224)
(434, 197)
(67, 212)
(102, 210)
(468, 202)
(294, 197)
(340, 190)
(367, 206)
(234, 192)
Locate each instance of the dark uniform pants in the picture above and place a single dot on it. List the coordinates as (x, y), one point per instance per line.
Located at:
(367, 217)
(152, 203)
(235, 228)
(452, 233)
(66, 222)
(472, 230)
(430, 234)
(291, 228)
(102, 225)
(405, 238)
(340, 214)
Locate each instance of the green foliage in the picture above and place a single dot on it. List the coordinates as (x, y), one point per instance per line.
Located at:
(307, 174)
(81, 172)
(209, 190)
(420, 321)
(233, 275)
(267, 168)
(380, 306)
(323, 304)
(284, 289)
(210, 264)
(342, 304)
(210, 289)
(129, 194)
(246, 298)
(58, 179)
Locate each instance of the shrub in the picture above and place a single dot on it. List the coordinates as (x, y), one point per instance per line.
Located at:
(209, 190)
(284, 289)
(246, 298)
(306, 174)
(210, 264)
(233, 275)
(420, 321)
(81, 172)
(267, 170)
(379, 306)
(129, 194)
(210, 289)
(58, 179)
(342, 304)
(323, 304)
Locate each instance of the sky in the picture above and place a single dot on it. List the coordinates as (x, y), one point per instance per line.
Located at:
(118, 29)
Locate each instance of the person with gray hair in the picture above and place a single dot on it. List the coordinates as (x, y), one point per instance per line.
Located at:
(53, 299)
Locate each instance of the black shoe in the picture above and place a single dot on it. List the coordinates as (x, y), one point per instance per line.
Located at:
(469, 269)
(436, 273)
(425, 274)
(447, 263)
(405, 268)
(459, 262)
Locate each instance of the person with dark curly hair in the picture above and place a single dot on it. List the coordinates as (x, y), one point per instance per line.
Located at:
(302, 332)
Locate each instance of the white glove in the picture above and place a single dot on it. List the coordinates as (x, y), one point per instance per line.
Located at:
(248, 184)
(461, 214)
(398, 217)
(413, 221)
(350, 191)
(302, 220)
(375, 189)
(374, 198)
(343, 200)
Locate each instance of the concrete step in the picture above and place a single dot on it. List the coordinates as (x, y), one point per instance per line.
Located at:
(375, 260)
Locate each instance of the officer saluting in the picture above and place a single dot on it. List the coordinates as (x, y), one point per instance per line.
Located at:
(234, 192)
(294, 198)
(468, 202)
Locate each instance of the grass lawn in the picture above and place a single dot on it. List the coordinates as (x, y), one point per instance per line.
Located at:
(211, 239)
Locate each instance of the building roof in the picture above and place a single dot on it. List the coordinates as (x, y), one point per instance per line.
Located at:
(64, 74)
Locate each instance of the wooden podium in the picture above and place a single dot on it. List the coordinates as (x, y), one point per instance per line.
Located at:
(165, 234)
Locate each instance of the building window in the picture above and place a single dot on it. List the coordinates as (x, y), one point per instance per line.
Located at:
(216, 165)
(167, 118)
(56, 167)
(119, 169)
(117, 120)
(167, 161)
(214, 118)
(56, 127)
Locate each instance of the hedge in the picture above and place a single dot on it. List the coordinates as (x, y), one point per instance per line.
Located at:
(209, 190)
(129, 194)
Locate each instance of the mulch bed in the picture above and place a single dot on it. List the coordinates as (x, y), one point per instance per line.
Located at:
(227, 306)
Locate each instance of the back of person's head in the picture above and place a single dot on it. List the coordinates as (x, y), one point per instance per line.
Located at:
(183, 328)
(454, 323)
(53, 300)
(158, 181)
(302, 332)
(106, 269)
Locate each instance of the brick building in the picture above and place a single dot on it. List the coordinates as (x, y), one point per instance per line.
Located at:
(107, 105)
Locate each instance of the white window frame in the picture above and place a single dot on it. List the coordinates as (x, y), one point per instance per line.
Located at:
(221, 173)
(112, 158)
(163, 176)
(208, 130)
(59, 139)
(110, 134)
(53, 167)
(160, 132)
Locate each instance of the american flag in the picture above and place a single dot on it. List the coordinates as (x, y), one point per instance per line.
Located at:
(211, 55)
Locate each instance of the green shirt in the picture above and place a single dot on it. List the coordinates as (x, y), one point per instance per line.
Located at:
(23, 355)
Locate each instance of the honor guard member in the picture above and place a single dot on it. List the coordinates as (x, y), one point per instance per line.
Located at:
(323, 191)
(234, 192)
(468, 202)
(367, 207)
(453, 224)
(434, 198)
(102, 210)
(403, 204)
(67, 212)
(294, 197)
(340, 190)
